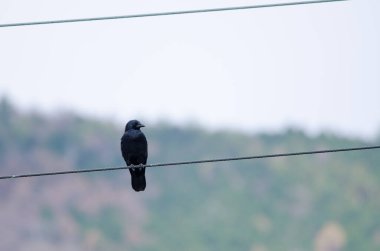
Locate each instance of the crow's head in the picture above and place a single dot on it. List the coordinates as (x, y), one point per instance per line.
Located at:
(133, 124)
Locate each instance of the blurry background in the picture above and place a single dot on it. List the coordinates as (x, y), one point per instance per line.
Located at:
(207, 85)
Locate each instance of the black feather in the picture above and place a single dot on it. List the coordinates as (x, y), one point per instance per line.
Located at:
(134, 148)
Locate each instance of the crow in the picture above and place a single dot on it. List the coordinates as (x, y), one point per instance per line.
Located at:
(134, 149)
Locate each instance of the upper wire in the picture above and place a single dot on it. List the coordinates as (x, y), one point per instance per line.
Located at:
(276, 155)
(165, 13)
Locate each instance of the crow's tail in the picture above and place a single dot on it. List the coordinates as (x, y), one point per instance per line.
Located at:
(138, 182)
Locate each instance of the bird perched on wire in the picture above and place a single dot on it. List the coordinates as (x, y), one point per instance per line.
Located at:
(134, 149)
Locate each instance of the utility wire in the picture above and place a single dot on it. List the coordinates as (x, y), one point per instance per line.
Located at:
(166, 13)
(193, 162)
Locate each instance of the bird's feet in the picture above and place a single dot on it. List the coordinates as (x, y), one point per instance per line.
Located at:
(141, 166)
(132, 167)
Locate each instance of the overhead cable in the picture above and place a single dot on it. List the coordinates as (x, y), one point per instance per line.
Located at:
(276, 155)
(170, 13)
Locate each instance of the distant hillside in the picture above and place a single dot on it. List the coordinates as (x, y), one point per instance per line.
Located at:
(325, 202)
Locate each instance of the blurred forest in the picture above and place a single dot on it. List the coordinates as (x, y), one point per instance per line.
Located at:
(325, 202)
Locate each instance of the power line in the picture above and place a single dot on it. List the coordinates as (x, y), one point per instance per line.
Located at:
(276, 155)
(166, 13)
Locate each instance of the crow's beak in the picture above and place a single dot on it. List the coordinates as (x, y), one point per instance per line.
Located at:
(141, 125)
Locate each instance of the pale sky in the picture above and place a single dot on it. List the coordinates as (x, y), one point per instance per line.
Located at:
(315, 67)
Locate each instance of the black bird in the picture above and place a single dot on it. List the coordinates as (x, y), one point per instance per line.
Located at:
(134, 149)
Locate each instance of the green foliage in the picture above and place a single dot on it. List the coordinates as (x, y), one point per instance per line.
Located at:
(107, 221)
(274, 204)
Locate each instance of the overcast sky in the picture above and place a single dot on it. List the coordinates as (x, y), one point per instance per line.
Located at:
(315, 67)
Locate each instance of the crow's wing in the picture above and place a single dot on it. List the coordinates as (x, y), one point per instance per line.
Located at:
(124, 147)
(134, 147)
